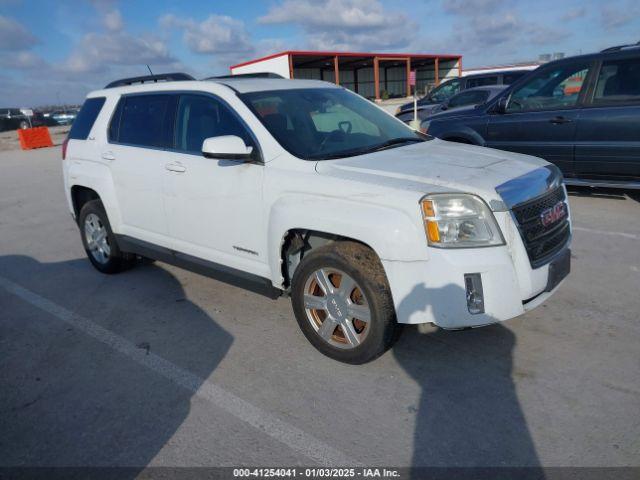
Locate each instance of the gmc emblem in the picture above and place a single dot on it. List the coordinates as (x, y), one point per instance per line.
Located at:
(553, 214)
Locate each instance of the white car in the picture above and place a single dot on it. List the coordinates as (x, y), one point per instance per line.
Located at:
(306, 189)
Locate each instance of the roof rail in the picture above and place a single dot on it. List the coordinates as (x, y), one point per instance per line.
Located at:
(167, 77)
(620, 47)
(247, 75)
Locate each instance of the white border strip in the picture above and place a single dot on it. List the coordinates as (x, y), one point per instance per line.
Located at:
(604, 232)
(291, 436)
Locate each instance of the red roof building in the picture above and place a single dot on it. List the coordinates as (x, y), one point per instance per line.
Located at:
(372, 75)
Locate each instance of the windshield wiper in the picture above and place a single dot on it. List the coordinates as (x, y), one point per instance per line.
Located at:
(393, 142)
(361, 151)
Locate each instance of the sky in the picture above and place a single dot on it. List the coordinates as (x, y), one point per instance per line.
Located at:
(56, 51)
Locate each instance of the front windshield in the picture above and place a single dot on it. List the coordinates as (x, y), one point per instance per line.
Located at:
(444, 91)
(324, 123)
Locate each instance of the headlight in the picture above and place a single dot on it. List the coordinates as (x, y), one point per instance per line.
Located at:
(454, 220)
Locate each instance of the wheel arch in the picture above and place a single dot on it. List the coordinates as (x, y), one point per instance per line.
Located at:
(389, 232)
(298, 242)
(80, 195)
(464, 137)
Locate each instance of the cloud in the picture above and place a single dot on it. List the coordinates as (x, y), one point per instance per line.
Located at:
(96, 52)
(544, 35)
(574, 14)
(21, 60)
(14, 36)
(471, 7)
(218, 34)
(113, 21)
(95, 58)
(618, 15)
(344, 24)
(350, 14)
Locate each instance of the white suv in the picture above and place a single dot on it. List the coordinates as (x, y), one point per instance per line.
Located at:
(304, 188)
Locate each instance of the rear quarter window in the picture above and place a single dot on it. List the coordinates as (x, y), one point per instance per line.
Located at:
(86, 118)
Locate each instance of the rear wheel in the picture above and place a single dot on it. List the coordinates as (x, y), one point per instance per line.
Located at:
(343, 304)
(98, 239)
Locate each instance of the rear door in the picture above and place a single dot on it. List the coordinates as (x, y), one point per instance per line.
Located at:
(608, 135)
(541, 114)
(140, 132)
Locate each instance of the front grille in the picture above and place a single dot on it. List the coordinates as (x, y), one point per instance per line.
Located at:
(540, 241)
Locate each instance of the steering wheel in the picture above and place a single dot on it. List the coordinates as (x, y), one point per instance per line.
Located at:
(336, 134)
(348, 125)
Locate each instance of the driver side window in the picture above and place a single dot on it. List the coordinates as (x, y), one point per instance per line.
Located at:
(200, 117)
(550, 89)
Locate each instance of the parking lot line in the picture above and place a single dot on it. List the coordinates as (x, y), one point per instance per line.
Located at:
(262, 420)
(604, 232)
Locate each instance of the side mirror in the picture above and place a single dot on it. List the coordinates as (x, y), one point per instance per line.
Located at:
(227, 147)
(501, 106)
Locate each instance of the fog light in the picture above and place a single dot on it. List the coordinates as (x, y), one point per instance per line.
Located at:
(475, 297)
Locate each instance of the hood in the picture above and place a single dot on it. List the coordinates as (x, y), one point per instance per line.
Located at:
(436, 166)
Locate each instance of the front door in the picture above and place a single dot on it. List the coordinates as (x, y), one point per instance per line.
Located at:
(608, 136)
(214, 206)
(541, 115)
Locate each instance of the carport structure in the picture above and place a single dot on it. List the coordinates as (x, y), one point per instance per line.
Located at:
(369, 74)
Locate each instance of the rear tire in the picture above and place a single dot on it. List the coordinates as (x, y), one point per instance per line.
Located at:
(99, 241)
(345, 285)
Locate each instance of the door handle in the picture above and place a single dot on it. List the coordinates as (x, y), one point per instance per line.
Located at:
(560, 120)
(108, 156)
(174, 167)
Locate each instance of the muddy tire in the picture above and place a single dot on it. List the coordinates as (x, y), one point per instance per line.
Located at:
(343, 304)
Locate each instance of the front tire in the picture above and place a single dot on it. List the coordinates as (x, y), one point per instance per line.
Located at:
(343, 304)
(99, 241)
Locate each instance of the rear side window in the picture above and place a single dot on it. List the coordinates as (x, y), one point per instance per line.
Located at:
(479, 82)
(618, 82)
(144, 120)
(509, 78)
(86, 118)
(468, 98)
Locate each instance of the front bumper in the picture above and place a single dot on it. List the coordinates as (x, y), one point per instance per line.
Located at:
(434, 290)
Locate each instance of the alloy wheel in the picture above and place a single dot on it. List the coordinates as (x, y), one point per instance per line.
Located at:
(336, 308)
(97, 238)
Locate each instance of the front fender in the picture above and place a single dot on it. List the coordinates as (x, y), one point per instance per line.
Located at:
(392, 233)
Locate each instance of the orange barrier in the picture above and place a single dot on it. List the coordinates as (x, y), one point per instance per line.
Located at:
(37, 137)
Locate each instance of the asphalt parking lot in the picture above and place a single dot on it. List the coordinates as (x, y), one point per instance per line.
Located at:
(159, 366)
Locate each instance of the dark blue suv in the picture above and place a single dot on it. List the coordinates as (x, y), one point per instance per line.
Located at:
(580, 113)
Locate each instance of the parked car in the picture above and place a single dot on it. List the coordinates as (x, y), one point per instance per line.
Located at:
(15, 118)
(304, 188)
(64, 117)
(471, 97)
(449, 88)
(580, 113)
